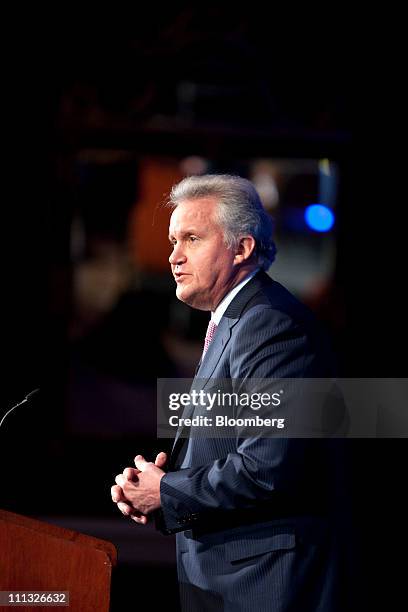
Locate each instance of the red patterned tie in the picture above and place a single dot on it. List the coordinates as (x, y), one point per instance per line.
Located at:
(209, 336)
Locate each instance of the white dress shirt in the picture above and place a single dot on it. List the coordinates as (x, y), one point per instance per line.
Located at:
(226, 301)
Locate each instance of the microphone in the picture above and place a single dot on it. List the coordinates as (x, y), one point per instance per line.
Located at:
(27, 397)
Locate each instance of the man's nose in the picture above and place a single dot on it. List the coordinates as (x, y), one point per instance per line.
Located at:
(177, 257)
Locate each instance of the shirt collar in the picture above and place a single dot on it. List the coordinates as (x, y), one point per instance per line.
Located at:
(226, 301)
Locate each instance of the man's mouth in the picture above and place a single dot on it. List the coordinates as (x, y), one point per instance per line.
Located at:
(179, 276)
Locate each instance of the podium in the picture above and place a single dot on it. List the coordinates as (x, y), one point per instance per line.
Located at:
(37, 556)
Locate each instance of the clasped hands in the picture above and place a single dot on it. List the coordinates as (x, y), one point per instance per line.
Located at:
(137, 490)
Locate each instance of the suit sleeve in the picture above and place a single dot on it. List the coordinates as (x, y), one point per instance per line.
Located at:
(266, 344)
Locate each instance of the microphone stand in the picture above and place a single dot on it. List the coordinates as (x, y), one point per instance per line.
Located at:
(27, 397)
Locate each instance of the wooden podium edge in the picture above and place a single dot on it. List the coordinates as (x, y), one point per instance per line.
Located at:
(61, 532)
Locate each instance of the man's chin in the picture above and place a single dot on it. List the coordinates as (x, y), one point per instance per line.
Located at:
(184, 296)
(190, 299)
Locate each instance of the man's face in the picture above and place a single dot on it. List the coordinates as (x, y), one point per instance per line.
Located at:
(202, 265)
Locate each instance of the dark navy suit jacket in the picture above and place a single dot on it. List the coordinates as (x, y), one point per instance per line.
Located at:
(253, 516)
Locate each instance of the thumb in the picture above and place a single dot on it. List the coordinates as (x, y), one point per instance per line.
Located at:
(161, 459)
(141, 463)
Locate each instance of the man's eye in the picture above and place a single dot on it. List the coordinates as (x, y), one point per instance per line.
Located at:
(193, 238)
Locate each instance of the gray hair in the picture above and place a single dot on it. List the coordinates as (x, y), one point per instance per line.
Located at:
(240, 210)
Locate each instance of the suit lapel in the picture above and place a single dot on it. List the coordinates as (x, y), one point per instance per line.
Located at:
(203, 374)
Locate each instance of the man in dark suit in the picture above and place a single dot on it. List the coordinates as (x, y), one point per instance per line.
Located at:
(253, 515)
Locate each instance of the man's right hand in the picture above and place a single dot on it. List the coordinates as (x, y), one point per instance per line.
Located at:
(120, 499)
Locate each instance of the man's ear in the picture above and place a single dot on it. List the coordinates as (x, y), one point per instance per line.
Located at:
(245, 249)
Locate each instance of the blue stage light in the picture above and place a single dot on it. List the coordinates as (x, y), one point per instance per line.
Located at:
(319, 217)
